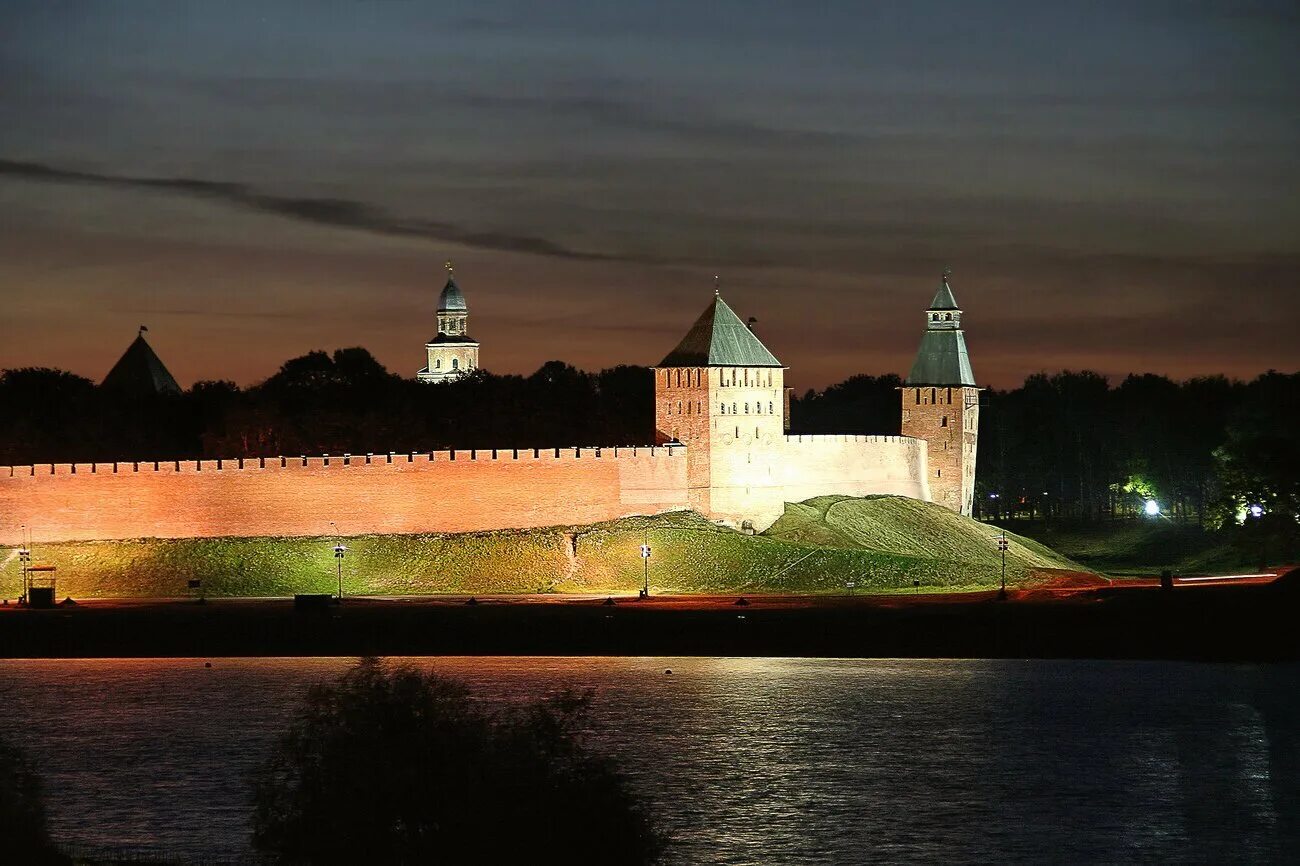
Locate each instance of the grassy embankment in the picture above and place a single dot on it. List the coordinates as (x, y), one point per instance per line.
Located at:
(880, 544)
(1146, 546)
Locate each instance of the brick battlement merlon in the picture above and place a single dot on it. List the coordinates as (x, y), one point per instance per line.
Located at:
(795, 438)
(341, 460)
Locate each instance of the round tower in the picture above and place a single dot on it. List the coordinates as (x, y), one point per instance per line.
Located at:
(451, 352)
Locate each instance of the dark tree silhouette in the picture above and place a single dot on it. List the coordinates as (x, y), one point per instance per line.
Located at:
(24, 835)
(1064, 445)
(390, 765)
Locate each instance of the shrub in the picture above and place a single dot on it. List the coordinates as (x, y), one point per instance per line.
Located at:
(24, 835)
(390, 765)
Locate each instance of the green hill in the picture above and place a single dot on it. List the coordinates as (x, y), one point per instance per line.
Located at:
(909, 527)
(1146, 546)
(879, 544)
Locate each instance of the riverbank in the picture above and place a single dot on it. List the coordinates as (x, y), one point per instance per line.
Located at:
(1236, 621)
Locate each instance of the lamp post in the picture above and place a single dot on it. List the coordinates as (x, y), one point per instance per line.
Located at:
(25, 558)
(645, 563)
(1002, 546)
(339, 550)
(1255, 513)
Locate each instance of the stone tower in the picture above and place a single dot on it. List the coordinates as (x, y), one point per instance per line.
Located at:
(721, 393)
(941, 403)
(452, 352)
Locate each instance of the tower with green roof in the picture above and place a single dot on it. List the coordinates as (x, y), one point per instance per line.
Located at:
(941, 403)
(452, 352)
(720, 392)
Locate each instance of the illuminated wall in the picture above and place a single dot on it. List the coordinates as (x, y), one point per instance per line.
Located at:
(461, 491)
(753, 477)
(948, 420)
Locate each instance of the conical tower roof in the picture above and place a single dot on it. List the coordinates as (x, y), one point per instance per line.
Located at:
(942, 359)
(720, 339)
(943, 299)
(140, 372)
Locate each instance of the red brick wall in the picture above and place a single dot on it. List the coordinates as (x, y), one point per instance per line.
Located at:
(405, 493)
(948, 420)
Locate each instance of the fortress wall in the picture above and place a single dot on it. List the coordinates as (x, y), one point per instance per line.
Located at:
(854, 466)
(753, 482)
(460, 491)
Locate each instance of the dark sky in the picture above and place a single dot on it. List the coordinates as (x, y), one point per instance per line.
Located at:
(1114, 184)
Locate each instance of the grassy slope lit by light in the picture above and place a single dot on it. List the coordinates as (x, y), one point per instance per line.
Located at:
(880, 544)
(1144, 546)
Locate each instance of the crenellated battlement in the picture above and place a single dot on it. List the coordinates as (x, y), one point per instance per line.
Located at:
(395, 492)
(341, 461)
(847, 438)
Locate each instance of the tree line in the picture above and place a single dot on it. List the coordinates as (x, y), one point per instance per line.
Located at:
(1069, 444)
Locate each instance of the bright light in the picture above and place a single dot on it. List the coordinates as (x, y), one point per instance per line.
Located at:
(1256, 510)
(1152, 508)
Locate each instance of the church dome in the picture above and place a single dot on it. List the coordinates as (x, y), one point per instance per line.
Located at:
(451, 300)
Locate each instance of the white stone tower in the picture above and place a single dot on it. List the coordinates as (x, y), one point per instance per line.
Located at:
(452, 352)
(721, 393)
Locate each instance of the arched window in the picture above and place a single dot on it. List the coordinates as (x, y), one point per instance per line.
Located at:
(943, 422)
(723, 408)
(769, 409)
(933, 397)
(437, 365)
(947, 317)
(679, 378)
(679, 407)
(455, 363)
(746, 408)
(733, 409)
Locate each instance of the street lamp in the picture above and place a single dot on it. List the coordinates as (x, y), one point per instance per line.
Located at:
(1002, 546)
(25, 558)
(1254, 512)
(645, 562)
(339, 550)
(1152, 508)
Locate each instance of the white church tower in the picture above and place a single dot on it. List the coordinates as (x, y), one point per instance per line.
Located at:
(452, 352)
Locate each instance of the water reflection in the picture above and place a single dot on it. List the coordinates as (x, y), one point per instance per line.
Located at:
(747, 760)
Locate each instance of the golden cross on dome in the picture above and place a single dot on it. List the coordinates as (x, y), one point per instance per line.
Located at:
(448, 266)
(715, 285)
(947, 272)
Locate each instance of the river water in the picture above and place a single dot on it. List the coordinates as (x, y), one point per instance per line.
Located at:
(785, 761)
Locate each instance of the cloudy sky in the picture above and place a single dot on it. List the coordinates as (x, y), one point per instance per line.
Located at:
(1115, 186)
